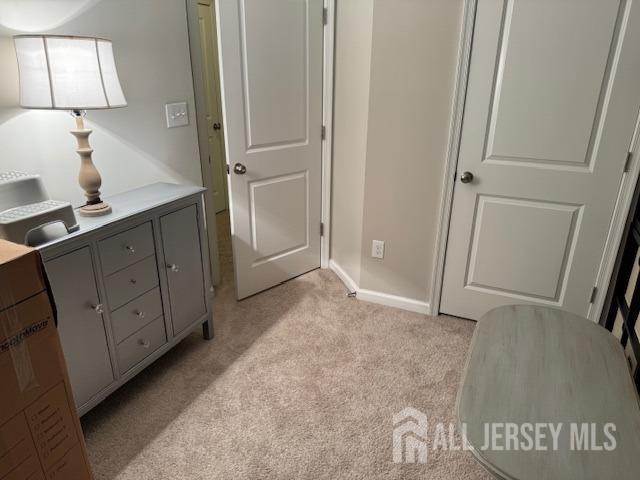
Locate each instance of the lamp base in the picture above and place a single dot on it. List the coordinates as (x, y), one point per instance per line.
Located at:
(89, 177)
(95, 210)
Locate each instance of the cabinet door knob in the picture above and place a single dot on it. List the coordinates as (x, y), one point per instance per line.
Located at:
(144, 343)
(99, 308)
(173, 267)
(139, 314)
(133, 281)
(130, 249)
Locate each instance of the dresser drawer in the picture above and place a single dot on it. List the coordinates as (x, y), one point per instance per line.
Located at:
(141, 344)
(126, 248)
(131, 282)
(136, 314)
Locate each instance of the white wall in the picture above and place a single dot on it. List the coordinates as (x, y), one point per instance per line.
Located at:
(132, 145)
(351, 105)
(398, 185)
(413, 65)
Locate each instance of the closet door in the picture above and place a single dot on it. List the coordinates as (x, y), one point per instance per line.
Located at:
(80, 323)
(551, 106)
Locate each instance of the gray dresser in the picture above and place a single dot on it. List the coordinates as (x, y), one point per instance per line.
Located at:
(130, 285)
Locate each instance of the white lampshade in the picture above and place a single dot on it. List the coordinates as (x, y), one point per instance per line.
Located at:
(67, 73)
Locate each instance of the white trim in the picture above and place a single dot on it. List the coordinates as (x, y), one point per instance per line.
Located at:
(351, 285)
(380, 298)
(616, 230)
(403, 303)
(455, 132)
(327, 121)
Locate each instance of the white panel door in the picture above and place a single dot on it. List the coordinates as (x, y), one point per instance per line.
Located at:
(271, 65)
(552, 100)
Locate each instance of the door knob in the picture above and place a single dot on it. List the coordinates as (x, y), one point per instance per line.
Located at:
(240, 169)
(466, 177)
(217, 126)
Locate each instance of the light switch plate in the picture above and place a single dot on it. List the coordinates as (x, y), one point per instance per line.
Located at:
(177, 114)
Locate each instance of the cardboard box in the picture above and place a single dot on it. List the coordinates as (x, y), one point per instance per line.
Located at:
(40, 433)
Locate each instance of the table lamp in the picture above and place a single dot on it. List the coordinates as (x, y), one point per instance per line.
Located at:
(76, 74)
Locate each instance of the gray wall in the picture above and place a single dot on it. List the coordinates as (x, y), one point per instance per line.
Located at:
(132, 145)
(410, 88)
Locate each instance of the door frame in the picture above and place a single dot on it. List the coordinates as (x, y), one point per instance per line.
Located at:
(328, 56)
(620, 213)
(203, 101)
(200, 109)
(327, 121)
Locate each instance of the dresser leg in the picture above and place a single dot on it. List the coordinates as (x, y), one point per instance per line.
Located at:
(207, 329)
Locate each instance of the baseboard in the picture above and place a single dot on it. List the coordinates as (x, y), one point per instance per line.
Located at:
(351, 285)
(393, 301)
(380, 298)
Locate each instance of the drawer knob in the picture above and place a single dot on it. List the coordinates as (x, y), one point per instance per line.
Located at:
(173, 267)
(144, 343)
(139, 314)
(130, 249)
(99, 308)
(133, 281)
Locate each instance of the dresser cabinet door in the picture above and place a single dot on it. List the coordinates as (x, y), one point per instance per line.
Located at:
(183, 261)
(80, 323)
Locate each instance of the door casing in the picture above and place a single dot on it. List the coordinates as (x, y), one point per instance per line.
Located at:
(623, 204)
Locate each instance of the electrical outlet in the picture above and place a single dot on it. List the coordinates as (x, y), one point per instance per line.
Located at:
(377, 249)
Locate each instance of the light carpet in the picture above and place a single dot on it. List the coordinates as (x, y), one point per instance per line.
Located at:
(300, 382)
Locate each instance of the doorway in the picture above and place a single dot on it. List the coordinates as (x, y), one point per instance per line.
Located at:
(542, 154)
(272, 70)
(203, 42)
(213, 107)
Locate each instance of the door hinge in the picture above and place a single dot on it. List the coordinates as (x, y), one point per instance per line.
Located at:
(321, 229)
(627, 163)
(325, 16)
(227, 169)
(323, 132)
(209, 159)
(593, 294)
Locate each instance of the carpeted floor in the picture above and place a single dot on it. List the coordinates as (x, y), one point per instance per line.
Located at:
(299, 382)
